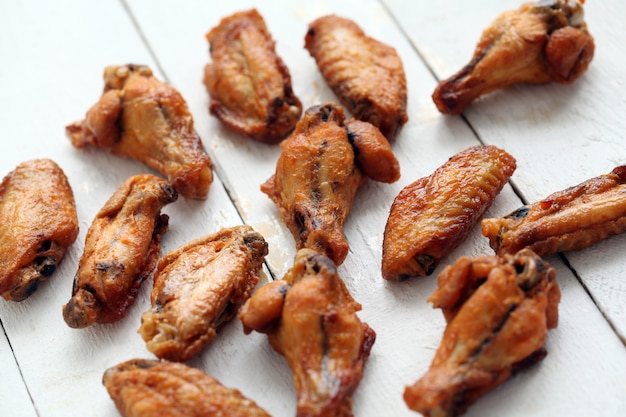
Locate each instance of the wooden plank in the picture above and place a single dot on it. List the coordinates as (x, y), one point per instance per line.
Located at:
(408, 329)
(13, 392)
(63, 367)
(561, 135)
(53, 56)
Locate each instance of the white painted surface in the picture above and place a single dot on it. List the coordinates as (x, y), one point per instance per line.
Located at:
(53, 54)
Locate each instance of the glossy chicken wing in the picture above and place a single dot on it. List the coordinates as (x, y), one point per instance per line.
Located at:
(318, 174)
(121, 251)
(38, 223)
(200, 287)
(249, 85)
(310, 319)
(572, 219)
(498, 312)
(148, 388)
(539, 43)
(366, 75)
(433, 215)
(145, 119)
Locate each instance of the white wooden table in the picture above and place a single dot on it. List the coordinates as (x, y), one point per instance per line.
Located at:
(51, 59)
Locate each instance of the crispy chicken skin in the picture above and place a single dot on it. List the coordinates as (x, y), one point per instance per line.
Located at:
(148, 388)
(310, 318)
(200, 287)
(145, 119)
(572, 219)
(366, 75)
(433, 215)
(321, 167)
(249, 85)
(539, 43)
(121, 251)
(498, 312)
(38, 222)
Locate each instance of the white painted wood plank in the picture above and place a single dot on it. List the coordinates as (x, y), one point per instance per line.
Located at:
(582, 349)
(53, 55)
(63, 367)
(13, 393)
(561, 135)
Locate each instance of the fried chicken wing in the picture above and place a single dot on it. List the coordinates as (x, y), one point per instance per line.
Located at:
(121, 250)
(148, 388)
(433, 215)
(249, 85)
(310, 318)
(366, 75)
(200, 287)
(145, 119)
(572, 219)
(539, 43)
(498, 312)
(38, 222)
(318, 173)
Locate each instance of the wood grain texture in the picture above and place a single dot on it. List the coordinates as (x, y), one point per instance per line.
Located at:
(57, 53)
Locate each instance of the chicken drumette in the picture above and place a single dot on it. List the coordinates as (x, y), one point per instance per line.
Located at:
(322, 165)
(310, 318)
(249, 85)
(38, 222)
(498, 311)
(539, 43)
(121, 250)
(148, 388)
(145, 119)
(200, 287)
(366, 75)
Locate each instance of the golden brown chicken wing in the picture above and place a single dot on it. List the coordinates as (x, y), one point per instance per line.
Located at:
(366, 75)
(433, 215)
(249, 85)
(572, 219)
(200, 287)
(310, 319)
(148, 388)
(38, 223)
(121, 251)
(498, 312)
(539, 43)
(318, 174)
(143, 118)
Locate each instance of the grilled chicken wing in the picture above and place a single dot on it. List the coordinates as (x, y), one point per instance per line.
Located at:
(249, 85)
(366, 75)
(145, 119)
(310, 319)
(148, 388)
(572, 219)
(200, 287)
(321, 167)
(539, 43)
(38, 223)
(433, 215)
(498, 312)
(121, 251)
